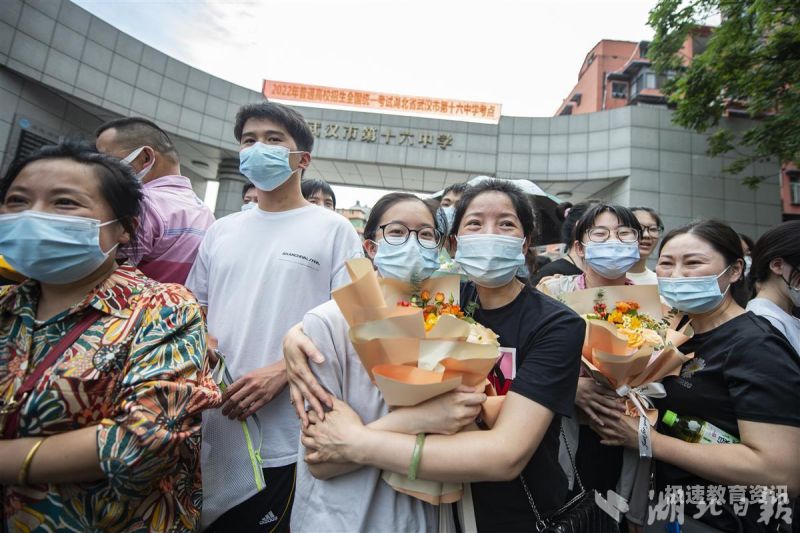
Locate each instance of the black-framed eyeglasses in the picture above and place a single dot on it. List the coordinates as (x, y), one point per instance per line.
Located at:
(653, 231)
(602, 234)
(397, 233)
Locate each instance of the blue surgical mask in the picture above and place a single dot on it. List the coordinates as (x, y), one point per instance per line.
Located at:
(611, 259)
(490, 260)
(249, 205)
(406, 262)
(133, 155)
(449, 215)
(694, 295)
(51, 248)
(266, 165)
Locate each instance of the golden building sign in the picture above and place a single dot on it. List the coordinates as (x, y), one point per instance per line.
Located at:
(374, 134)
(438, 107)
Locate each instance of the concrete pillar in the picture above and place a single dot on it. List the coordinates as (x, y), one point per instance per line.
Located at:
(231, 181)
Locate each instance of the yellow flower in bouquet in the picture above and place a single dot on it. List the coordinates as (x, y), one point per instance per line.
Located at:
(639, 328)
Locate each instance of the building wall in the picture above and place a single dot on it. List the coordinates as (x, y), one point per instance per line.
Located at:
(64, 47)
(47, 114)
(607, 56)
(56, 61)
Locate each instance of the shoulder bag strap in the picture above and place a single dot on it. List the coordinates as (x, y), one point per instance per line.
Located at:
(10, 429)
(540, 522)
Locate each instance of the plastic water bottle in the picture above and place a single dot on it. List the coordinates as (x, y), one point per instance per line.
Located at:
(695, 430)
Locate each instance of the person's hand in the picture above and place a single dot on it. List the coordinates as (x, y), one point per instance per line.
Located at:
(303, 386)
(334, 439)
(618, 429)
(211, 346)
(595, 400)
(450, 412)
(253, 391)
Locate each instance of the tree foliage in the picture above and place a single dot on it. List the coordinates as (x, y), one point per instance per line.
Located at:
(752, 57)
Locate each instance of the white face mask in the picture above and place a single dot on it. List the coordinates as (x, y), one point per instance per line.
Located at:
(133, 155)
(794, 294)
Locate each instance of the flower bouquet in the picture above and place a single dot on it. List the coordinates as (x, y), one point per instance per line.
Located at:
(415, 342)
(631, 346)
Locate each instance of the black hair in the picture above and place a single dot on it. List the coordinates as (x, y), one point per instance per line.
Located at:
(456, 188)
(388, 200)
(522, 205)
(651, 212)
(246, 187)
(570, 214)
(133, 132)
(623, 214)
(749, 241)
(291, 120)
(779, 241)
(118, 185)
(310, 186)
(722, 238)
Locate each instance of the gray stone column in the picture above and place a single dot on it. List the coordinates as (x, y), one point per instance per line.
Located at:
(231, 181)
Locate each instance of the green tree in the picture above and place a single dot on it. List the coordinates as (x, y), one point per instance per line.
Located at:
(752, 57)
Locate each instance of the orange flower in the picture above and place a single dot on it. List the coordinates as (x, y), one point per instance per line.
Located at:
(623, 307)
(439, 297)
(425, 296)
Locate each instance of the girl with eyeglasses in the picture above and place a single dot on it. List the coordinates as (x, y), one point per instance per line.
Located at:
(775, 273)
(494, 224)
(402, 239)
(744, 378)
(652, 227)
(607, 241)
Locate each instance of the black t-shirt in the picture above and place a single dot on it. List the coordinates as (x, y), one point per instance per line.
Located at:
(742, 370)
(547, 336)
(561, 266)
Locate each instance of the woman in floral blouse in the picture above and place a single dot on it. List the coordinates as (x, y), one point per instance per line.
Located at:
(101, 433)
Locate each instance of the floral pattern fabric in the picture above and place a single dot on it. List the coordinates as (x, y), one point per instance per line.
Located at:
(140, 376)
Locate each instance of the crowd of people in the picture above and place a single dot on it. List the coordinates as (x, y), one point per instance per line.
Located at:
(164, 371)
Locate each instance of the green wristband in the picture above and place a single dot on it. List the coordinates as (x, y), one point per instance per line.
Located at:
(416, 456)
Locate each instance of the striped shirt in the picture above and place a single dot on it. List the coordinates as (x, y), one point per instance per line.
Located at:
(173, 223)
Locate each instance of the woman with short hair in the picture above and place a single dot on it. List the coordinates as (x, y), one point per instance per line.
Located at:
(744, 379)
(103, 374)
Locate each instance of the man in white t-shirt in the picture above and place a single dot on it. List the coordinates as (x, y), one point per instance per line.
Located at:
(258, 272)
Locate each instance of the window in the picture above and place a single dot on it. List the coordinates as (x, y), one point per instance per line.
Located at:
(29, 142)
(794, 187)
(619, 90)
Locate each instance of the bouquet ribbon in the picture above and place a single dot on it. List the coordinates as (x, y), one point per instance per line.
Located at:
(640, 397)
